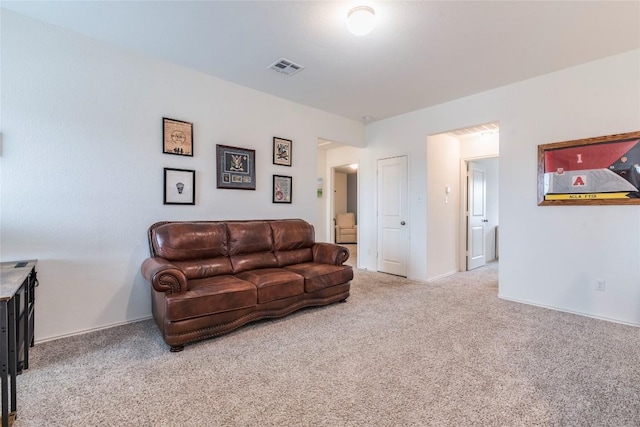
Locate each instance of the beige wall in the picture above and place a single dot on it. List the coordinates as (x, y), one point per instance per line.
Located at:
(443, 215)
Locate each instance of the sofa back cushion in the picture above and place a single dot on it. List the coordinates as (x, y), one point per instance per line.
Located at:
(246, 237)
(250, 245)
(292, 241)
(201, 268)
(254, 261)
(291, 234)
(296, 256)
(184, 241)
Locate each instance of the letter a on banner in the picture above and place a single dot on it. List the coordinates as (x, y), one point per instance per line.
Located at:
(579, 181)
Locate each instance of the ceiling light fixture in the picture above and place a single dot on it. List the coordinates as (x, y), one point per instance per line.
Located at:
(361, 20)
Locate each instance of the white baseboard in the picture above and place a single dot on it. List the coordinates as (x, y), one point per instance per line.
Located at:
(86, 331)
(442, 276)
(563, 310)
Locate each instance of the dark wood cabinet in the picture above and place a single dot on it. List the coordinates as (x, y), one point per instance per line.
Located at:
(17, 314)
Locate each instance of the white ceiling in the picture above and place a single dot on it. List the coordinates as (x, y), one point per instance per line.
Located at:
(421, 53)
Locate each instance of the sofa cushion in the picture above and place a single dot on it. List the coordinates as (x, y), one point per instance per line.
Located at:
(198, 269)
(211, 295)
(246, 237)
(255, 261)
(274, 283)
(296, 256)
(194, 240)
(291, 234)
(321, 276)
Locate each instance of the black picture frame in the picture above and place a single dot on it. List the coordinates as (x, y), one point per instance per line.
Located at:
(179, 186)
(282, 189)
(282, 151)
(177, 137)
(236, 168)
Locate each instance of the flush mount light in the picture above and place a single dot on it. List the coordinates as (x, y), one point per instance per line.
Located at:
(361, 20)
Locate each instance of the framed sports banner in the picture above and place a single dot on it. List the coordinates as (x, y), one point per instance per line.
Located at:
(593, 171)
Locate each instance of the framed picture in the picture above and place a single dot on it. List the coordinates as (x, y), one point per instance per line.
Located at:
(281, 151)
(177, 137)
(593, 171)
(179, 186)
(282, 189)
(236, 168)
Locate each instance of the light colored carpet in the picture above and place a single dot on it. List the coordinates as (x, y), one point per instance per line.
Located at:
(398, 353)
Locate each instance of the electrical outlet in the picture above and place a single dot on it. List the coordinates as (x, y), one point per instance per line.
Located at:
(600, 285)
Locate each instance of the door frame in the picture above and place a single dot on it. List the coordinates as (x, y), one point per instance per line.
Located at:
(464, 190)
(332, 208)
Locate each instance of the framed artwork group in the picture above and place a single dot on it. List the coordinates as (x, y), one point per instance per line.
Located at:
(235, 166)
(594, 171)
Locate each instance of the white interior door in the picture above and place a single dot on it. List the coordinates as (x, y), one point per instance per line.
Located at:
(392, 216)
(476, 215)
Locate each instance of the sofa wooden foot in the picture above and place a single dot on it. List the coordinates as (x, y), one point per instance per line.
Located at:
(177, 348)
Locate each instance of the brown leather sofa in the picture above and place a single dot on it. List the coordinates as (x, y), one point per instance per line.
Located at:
(211, 277)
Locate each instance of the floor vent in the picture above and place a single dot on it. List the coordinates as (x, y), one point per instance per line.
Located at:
(284, 66)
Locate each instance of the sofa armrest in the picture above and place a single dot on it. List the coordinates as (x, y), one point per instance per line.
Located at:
(164, 276)
(330, 253)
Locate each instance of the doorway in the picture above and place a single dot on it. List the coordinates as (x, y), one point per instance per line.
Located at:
(479, 205)
(345, 200)
(481, 219)
(446, 195)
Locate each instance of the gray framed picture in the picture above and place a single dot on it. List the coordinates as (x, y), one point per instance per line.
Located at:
(179, 186)
(236, 168)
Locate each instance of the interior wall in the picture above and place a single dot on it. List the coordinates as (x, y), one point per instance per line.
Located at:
(549, 255)
(321, 223)
(82, 164)
(443, 214)
(352, 193)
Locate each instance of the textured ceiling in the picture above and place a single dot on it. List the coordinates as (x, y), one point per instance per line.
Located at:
(421, 53)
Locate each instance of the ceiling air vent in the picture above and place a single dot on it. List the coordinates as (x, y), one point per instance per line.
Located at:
(284, 66)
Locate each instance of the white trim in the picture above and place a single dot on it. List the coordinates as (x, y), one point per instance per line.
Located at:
(442, 276)
(579, 313)
(86, 331)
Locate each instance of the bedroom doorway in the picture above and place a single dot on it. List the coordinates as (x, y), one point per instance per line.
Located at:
(345, 208)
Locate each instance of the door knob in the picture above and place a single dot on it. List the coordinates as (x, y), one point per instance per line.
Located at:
(485, 220)
(402, 223)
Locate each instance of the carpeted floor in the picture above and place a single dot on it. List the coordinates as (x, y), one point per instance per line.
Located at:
(398, 353)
